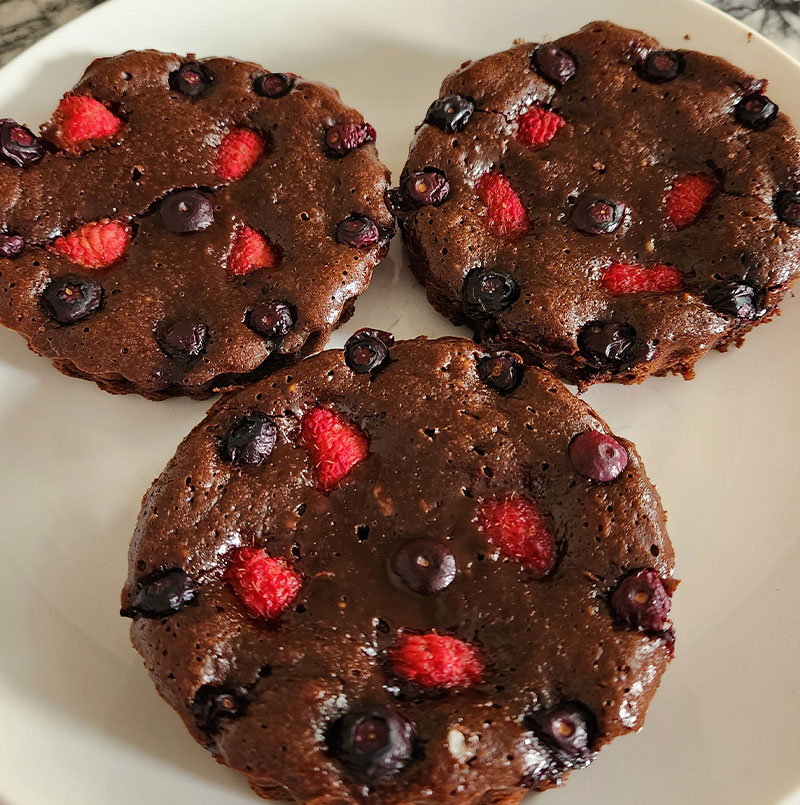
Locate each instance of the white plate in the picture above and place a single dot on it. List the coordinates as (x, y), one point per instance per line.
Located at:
(81, 722)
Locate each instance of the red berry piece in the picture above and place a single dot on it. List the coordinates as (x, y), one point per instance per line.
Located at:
(598, 456)
(79, 118)
(18, 145)
(641, 600)
(689, 198)
(619, 279)
(266, 585)
(372, 743)
(273, 85)
(238, 153)
(191, 79)
(436, 662)
(506, 215)
(569, 728)
(335, 445)
(97, 244)
(539, 125)
(358, 232)
(250, 252)
(517, 528)
(11, 246)
(554, 64)
(213, 703)
(342, 138)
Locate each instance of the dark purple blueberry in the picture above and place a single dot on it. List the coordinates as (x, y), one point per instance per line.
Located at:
(640, 600)
(273, 85)
(489, 291)
(161, 594)
(569, 727)
(11, 245)
(554, 63)
(737, 299)
(787, 206)
(756, 111)
(358, 231)
(503, 372)
(366, 350)
(212, 703)
(450, 113)
(397, 202)
(373, 743)
(192, 79)
(271, 319)
(18, 144)
(71, 298)
(597, 215)
(342, 138)
(598, 456)
(427, 187)
(250, 439)
(610, 344)
(186, 211)
(660, 66)
(425, 566)
(183, 338)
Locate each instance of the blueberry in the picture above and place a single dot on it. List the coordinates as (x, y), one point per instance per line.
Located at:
(271, 319)
(250, 439)
(554, 63)
(610, 344)
(212, 703)
(503, 372)
(18, 145)
(598, 456)
(569, 728)
(660, 66)
(373, 743)
(737, 299)
(366, 350)
(425, 566)
(183, 338)
(273, 85)
(342, 138)
(71, 298)
(11, 245)
(489, 291)
(640, 600)
(428, 187)
(161, 594)
(450, 113)
(756, 111)
(597, 215)
(192, 79)
(357, 231)
(186, 211)
(787, 206)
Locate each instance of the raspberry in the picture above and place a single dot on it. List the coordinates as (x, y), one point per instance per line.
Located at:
(688, 198)
(80, 118)
(238, 153)
(436, 661)
(507, 216)
(95, 245)
(622, 279)
(335, 445)
(516, 527)
(538, 126)
(265, 584)
(250, 251)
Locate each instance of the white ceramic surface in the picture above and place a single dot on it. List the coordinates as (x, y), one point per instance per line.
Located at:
(80, 721)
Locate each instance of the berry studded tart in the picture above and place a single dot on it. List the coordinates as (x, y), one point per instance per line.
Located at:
(403, 573)
(185, 225)
(608, 208)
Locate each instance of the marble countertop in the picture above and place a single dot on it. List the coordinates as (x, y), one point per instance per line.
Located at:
(22, 22)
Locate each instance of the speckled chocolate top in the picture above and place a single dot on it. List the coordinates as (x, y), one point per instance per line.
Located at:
(162, 124)
(519, 583)
(696, 238)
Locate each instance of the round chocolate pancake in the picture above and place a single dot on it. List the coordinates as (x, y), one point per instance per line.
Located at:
(187, 225)
(401, 574)
(608, 208)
